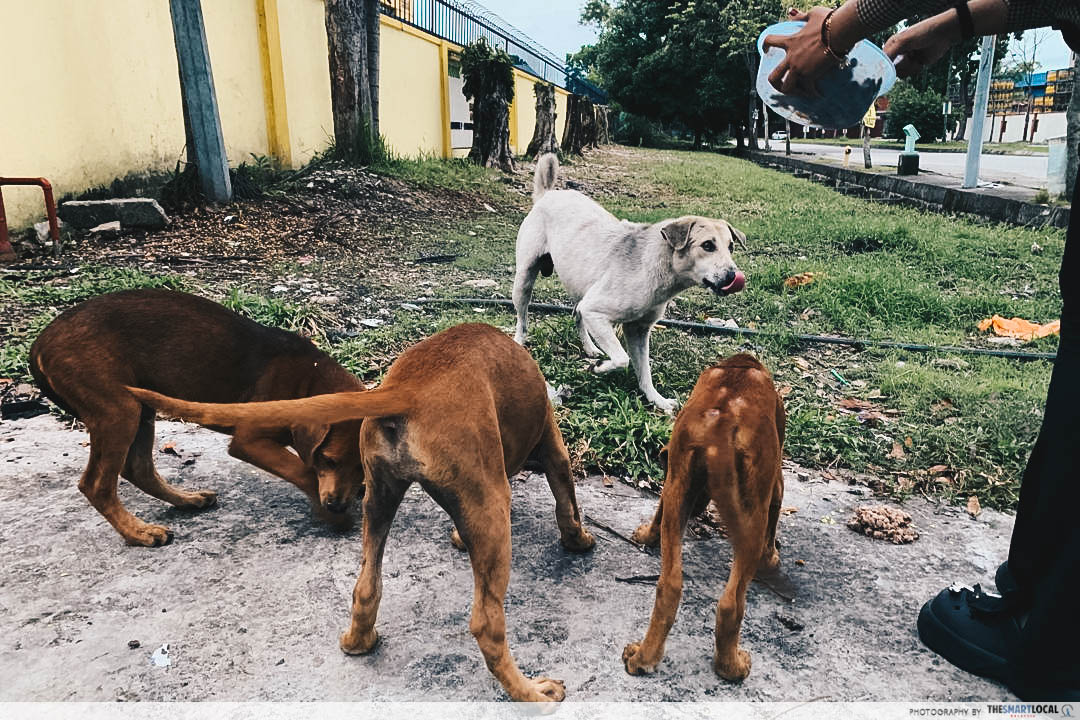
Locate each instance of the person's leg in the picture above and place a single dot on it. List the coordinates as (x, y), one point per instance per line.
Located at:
(1030, 638)
(1044, 557)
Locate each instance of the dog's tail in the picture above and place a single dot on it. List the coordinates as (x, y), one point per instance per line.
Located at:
(316, 410)
(547, 168)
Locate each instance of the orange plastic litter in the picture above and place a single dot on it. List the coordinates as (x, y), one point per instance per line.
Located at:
(1020, 328)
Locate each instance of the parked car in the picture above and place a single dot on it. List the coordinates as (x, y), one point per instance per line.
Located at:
(779, 135)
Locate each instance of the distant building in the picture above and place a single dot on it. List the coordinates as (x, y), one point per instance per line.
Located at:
(1047, 91)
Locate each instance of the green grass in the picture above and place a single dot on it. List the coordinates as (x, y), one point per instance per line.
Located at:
(888, 273)
(949, 426)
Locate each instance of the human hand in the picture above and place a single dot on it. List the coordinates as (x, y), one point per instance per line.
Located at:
(805, 59)
(923, 43)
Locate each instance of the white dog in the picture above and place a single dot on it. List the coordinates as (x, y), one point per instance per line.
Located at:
(618, 271)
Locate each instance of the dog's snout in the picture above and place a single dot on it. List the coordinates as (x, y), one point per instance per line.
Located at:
(727, 278)
(335, 504)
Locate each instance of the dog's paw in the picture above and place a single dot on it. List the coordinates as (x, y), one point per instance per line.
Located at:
(543, 689)
(582, 542)
(606, 366)
(198, 500)
(359, 643)
(770, 561)
(593, 352)
(632, 661)
(664, 404)
(734, 670)
(456, 541)
(148, 535)
(644, 535)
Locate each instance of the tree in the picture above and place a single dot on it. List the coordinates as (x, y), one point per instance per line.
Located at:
(1024, 63)
(543, 140)
(489, 86)
(911, 106)
(352, 33)
(581, 127)
(670, 61)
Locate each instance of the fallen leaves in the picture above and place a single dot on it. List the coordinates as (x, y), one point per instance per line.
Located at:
(973, 506)
(804, 278)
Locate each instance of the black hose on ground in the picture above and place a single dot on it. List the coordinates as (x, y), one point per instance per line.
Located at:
(700, 328)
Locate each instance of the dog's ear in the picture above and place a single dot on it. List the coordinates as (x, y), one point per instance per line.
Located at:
(739, 235)
(664, 457)
(677, 233)
(306, 439)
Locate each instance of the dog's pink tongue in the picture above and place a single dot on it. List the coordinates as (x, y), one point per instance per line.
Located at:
(737, 284)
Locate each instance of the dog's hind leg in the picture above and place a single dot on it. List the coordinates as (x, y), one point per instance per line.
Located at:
(139, 470)
(484, 522)
(110, 437)
(679, 497)
(770, 557)
(747, 532)
(382, 496)
(524, 279)
(556, 463)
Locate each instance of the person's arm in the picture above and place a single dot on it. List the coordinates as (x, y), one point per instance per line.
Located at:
(808, 56)
(924, 43)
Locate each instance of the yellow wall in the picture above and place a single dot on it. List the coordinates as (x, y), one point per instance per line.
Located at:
(307, 77)
(410, 90)
(233, 40)
(524, 111)
(103, 101)
(90, 101)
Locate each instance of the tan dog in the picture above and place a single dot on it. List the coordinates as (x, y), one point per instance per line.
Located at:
(726, 447)
(457, 413)
(188, 346)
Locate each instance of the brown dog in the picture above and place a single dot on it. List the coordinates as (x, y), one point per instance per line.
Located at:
(726, 447)
(193, 348)
(457, 413)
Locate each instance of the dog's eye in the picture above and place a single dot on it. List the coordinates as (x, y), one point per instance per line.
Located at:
(329, 463)
(708, 246)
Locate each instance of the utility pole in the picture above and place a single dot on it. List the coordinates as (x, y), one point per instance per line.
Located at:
(199, 99)
(978, 116)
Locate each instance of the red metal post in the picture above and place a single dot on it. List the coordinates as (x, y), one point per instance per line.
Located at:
(6, 251)
(50, 211)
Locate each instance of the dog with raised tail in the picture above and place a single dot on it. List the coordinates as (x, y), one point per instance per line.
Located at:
(457, 413)
(618, 272)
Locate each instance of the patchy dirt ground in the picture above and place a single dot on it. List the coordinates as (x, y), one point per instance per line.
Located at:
(251, 596)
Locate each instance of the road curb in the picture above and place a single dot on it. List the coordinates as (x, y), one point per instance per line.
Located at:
(891, 188)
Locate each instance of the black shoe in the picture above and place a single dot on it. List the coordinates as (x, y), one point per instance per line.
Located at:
(980, 632)
(971, 629)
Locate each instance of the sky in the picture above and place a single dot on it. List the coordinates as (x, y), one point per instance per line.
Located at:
(554, 24)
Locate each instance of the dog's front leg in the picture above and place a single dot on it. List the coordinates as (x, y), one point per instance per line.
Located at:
(637, 341)
(269, 455)
(587, 343)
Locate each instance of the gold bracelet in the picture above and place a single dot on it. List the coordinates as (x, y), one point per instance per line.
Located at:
(826, 40)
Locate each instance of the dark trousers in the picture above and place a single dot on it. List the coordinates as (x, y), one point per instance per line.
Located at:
(1044, 558)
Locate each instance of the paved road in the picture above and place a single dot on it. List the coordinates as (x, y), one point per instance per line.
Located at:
(251, 595)
(1024, 170)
